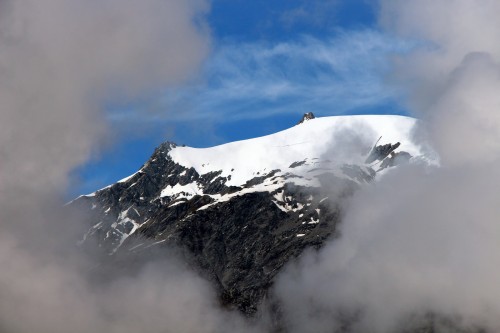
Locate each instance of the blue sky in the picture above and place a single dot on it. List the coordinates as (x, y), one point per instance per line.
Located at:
(271, 62)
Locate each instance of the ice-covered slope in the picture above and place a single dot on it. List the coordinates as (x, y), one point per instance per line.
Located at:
(339, 140)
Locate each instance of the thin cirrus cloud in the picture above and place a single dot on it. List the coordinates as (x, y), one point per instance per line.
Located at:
(317, 13)
(339, 75)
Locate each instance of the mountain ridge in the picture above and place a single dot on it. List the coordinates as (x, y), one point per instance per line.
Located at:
(242, 210)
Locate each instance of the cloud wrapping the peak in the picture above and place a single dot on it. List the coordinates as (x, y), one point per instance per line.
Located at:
(452, 81)
(418, 249)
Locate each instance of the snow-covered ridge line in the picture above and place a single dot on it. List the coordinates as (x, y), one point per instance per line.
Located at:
(297, 148)
(320, 138)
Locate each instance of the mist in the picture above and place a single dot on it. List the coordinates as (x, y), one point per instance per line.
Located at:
(61, 62)
(418, 249)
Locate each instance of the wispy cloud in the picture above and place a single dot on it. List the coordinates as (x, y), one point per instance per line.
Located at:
(316, 12)
(330, 76)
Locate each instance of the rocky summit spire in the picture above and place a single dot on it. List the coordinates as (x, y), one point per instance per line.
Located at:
(307, 116)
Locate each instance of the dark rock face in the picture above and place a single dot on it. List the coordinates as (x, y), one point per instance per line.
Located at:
(243, 243)
(307, 116)
(297, 164)
(379, 153)
(238, 237)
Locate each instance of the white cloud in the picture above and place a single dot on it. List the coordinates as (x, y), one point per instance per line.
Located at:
(316, 12)
(452, 84)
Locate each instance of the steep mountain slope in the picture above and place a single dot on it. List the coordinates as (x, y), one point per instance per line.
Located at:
(241, 210)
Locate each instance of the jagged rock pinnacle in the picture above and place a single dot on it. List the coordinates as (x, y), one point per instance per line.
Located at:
(307, 116)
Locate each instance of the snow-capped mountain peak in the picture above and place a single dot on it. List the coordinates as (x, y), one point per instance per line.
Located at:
(259, 197)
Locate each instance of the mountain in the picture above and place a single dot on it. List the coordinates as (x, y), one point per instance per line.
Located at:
(241, 210)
